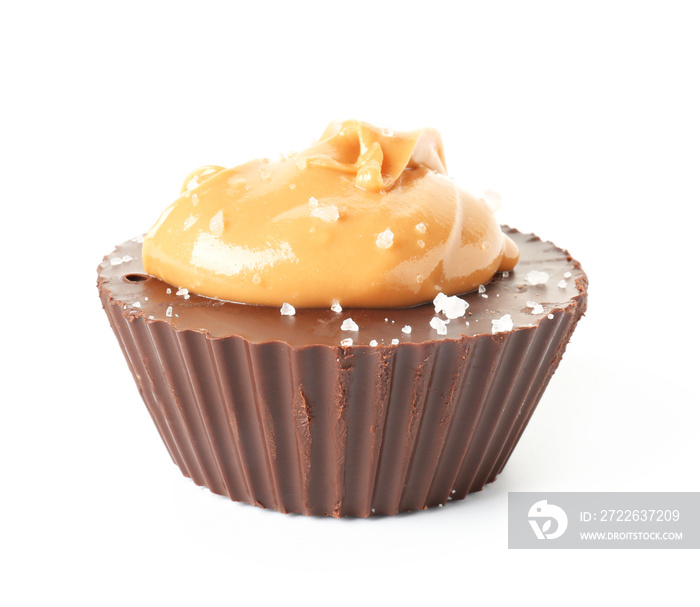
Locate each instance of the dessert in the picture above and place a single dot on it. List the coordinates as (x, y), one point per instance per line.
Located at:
(288, 363)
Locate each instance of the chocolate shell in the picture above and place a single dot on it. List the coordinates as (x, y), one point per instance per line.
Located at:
(272, 410)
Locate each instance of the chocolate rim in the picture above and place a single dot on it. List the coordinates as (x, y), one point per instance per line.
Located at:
(143, 295)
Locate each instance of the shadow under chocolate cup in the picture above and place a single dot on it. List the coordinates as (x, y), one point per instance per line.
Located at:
(272, 410)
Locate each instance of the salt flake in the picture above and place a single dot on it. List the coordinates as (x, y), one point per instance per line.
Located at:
(406, 329)
(373, 342)
(562, 284)
(385, 239)
(394, 342)
(349, 325)
(287, 309)
(336, 307)
(535, 277)
(536, 307)
(493, 199)
(326, 213)
(346, 342)
(169, 311)
(439, 325)
(452, 307)
(216, 223)
(504, 323)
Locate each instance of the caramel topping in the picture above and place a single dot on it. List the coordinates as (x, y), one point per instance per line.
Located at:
(364, 217)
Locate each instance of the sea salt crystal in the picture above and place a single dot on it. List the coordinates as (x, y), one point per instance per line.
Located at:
(182, 291)
(287, 309)
(169, 311)
(349, 325)
(506, 274)
(421, 228)
(127, 258)
(327, 213)
(346, 342)
(482, 289)
(493, 199)
(550, 316)
(452, 307)
(567, 274)
(562, 284)
(536, 307)
(394, 342)
(439, 325)
(313, 203)
(115, 261)
(336, 307)
(373, 342)
(136, 304)
(216, 223)
(484, 296)
(385, 239)
(168, 290)
(406, 329)
(534, 277)
(504, 323)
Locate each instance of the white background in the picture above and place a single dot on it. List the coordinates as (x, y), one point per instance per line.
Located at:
(584, 116)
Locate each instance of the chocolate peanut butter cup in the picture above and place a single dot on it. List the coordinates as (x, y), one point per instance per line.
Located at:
(345, 413)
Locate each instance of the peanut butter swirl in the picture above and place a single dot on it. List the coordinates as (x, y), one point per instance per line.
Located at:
(364, 218)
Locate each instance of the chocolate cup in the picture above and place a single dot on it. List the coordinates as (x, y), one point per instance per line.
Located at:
(304, 424)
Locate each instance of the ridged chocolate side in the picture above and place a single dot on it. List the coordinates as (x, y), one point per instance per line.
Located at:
(273, 411)
(340, 431)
